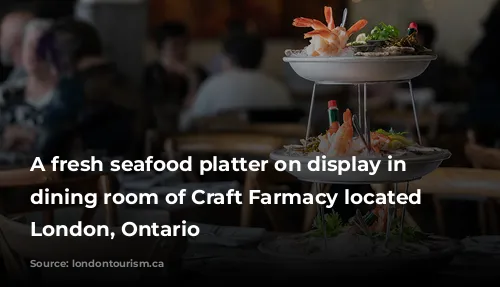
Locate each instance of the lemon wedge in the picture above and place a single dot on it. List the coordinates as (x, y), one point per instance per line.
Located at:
(401, 139)
(396, 144)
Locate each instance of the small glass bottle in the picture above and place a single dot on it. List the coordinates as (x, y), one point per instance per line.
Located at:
(333, 111)
(333, 116)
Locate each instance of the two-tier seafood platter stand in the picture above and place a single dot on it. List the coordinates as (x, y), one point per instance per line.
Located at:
(362, 72)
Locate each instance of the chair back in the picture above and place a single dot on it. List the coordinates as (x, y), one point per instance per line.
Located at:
(22, 177)
(16, 199)
(25, 176)
(223, 143)
(290, 131)
(481, 157)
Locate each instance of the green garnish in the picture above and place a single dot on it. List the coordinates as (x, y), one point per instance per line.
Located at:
(356, 44)
(410, 234)
(383, 32)
(312, 146)
(333, 226)
(391, 132)
(397, 139)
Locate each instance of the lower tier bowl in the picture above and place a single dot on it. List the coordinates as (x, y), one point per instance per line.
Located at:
(416, 167)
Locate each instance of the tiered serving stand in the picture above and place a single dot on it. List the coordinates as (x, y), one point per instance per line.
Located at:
(361, 72)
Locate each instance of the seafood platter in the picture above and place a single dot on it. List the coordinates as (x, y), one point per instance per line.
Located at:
(382, 55)
(378, 57)
(353, 136)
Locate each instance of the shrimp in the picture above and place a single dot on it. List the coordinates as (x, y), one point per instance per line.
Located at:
(334, 127)
(329, 17)
(318, 46)
(327, 39)
(309, 23)
(343, 137)
(357, 27)
(381, 224)
(379, 141)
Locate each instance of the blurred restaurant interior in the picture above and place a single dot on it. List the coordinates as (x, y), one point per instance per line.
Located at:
(161, 78)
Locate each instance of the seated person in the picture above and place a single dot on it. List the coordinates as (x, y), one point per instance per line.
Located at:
(11, 38)
(233, 26)
(90, 104)
(484, 103)
(23, 103)
(171, 82)
(241, 86)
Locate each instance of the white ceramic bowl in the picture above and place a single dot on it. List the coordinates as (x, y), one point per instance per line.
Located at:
(351, 70)
(416, 168)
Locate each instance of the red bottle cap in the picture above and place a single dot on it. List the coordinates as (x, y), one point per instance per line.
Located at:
(332, 104)
(413, 25)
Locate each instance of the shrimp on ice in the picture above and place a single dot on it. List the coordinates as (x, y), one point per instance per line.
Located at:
(334, 127)
(379, 141)
(337, 37)
(318, 45)
(343, 137)
(327, 39)
(380, 224)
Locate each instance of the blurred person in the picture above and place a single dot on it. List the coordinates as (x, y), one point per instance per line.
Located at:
(241, 86)
(233, 27)
(87, 106)
(22, 103)
(484, 104)
(4, 72)
(441, 75)
(11, 37)
(171, 82)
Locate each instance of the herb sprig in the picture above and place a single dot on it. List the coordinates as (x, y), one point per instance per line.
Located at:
(333, 225)
(383, 32)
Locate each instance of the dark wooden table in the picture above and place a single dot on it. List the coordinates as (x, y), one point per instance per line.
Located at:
(206, 263)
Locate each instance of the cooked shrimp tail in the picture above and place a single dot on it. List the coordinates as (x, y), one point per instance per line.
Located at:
(327, 40)
(347, 117)
(343, 137)
(357, 26)
(334, 127)
(329, 18)
(309, 23)
(325, 34)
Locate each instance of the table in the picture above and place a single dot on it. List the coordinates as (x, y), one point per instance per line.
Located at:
(211, 263)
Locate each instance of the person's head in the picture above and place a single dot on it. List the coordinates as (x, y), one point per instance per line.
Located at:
(11, 36)
(243, 51)
(68, 43)
(240, 26)
(426, 34)
(32, 34)
(236, 26)
(172, 40)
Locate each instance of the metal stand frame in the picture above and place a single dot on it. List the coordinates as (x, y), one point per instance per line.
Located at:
(365, 127)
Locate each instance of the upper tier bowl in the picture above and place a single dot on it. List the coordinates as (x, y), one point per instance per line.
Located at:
(353, 69)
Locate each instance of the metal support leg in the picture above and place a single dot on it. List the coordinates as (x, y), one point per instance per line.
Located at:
(391, 212)
(402, 224)
(359, 106)
(310, 112)
(415, 114)
(365, 110)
